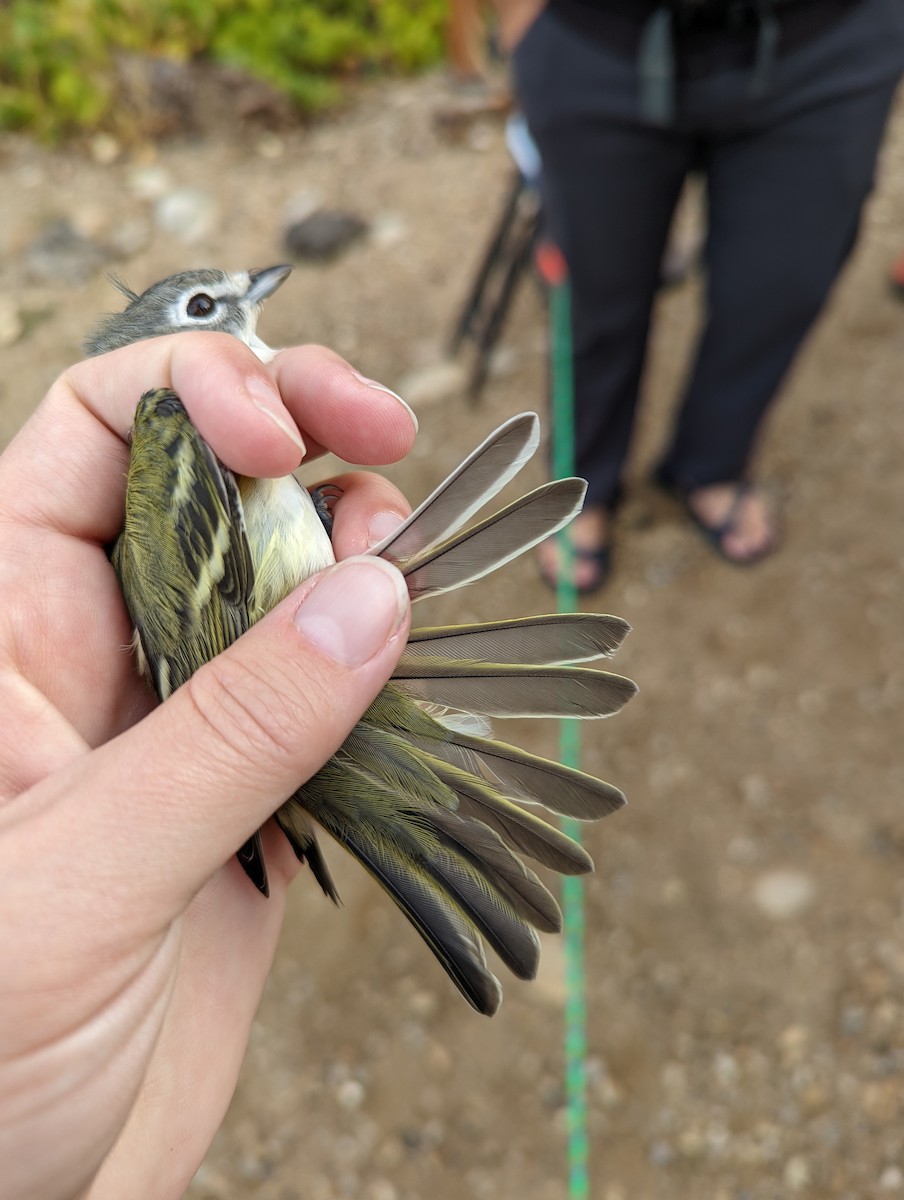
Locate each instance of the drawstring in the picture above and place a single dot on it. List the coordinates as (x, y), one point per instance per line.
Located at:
(656, 57)
(767, 39)
(656, 68)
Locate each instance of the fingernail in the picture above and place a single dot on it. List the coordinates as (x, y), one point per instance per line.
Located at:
(353, 609)
(266, 399)
(381, 387)
(381, 525)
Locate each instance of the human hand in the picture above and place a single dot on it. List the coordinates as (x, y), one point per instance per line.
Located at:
(135, 948)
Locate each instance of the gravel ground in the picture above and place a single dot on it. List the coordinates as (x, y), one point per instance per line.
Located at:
(745, 927)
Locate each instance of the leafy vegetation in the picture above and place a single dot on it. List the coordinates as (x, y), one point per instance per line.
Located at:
(58, 57)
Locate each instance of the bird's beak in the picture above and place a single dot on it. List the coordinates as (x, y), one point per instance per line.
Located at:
(265, 281)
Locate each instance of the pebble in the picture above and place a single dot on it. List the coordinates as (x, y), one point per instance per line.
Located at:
(350, 1094)
(892, 1179)
(661, 1153)
(388, 230)
(423, 1003)
(755, 790)
(324, 235)
(149, 182)
(187, 214)
(783, 894)
(270, 146)
(792, 1044)
(60, 254)
(796, 1174)
(434, 384)
(11, 325)
(130, 236)
(105, 149)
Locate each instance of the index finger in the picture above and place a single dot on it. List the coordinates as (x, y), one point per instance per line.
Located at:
(66, 468)
(341, 411)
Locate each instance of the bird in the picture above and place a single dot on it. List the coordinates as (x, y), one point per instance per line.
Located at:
(434, 807)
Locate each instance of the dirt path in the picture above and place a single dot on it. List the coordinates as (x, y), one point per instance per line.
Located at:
(746, 923)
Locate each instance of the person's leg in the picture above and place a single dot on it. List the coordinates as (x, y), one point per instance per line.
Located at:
(785, 202)
(610, 186)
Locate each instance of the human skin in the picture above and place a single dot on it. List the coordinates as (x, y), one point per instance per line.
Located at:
(135, 949)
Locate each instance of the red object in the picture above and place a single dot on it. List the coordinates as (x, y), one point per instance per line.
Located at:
(896, 276)
(552, 268)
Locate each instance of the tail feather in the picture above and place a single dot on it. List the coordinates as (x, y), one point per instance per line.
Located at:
(470, 486)
(543, 640)
(450, 936)
(430, 874)
(434, 830)
(502, 871)
(516, 773)
(494, 541)
(515, 689)
(522, 830)
(526, 777)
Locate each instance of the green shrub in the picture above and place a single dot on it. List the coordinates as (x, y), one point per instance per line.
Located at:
(57, 57)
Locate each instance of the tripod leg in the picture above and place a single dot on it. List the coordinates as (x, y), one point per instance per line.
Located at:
(522, 241)
(467, 320)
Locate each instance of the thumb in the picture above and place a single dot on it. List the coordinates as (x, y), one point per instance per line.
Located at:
(157, 810)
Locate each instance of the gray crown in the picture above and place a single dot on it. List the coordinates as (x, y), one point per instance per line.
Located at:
(203, 299)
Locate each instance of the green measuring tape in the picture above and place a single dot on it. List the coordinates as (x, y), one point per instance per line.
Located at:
(570, 754)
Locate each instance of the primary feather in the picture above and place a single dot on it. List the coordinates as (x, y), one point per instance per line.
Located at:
(427, 805)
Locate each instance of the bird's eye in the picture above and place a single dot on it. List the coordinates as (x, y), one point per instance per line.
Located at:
(200, 306)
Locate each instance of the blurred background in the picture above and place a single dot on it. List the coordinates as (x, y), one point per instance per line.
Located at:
(745, 926)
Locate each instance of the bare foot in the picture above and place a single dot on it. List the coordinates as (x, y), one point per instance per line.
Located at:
(589, 532)
(743, 516)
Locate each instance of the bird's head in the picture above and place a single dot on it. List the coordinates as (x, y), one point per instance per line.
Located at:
(204, 299)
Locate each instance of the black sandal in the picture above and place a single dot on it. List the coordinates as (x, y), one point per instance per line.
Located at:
(600, 557)
(715, 534)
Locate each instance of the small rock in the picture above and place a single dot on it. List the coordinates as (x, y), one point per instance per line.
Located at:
(105, 149)
(423, 1003)
(60, 254)
(301, 205)
(880, 1100)
(755, 790)
(130, 236)
(350, 1094)
(853, 1020)
(726, 1070)
(793, 1043)
(434, 384)
(271, 146)
(796, 1174)
(388, 230)
(324, 235)
(783, 894)
(661, 1153)
(438, 1059)
(692, 1142)
(188, 214)
(149, 182)
(11, 325)
(892, 1179)
(743, 850)
(814, 1098)
(674, 1080)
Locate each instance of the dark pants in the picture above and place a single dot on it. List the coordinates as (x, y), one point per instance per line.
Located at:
(787, 174)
